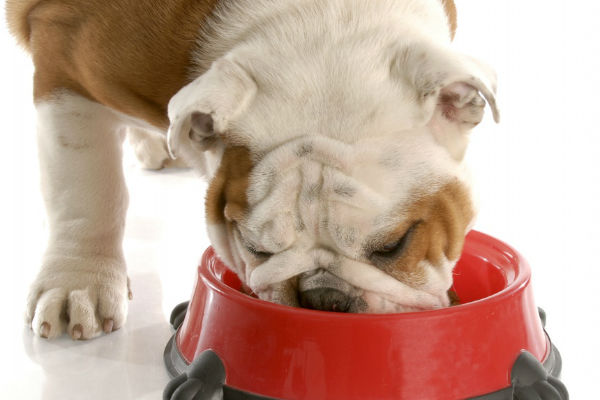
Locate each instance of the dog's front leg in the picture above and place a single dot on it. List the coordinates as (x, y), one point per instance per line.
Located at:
(82, 285)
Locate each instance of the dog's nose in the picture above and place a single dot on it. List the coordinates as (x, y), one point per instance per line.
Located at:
(325, 299)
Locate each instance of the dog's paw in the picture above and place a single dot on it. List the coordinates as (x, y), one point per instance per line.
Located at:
(82, 296)
(462, 103)
(151, 150)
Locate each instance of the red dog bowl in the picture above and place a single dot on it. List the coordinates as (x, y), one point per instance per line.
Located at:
(492, 346)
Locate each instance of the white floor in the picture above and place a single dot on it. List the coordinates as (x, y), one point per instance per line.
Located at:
(538, 175)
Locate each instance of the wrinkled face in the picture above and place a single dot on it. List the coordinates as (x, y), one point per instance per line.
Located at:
(336, 194)
(368, 227)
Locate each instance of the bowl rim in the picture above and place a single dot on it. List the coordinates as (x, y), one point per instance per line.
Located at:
(520, 281)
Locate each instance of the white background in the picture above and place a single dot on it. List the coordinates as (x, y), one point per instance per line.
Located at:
(537, 172)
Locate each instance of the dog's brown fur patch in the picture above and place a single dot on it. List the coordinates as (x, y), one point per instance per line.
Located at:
(131, 55)
(444, 217)
(226, 198)
(450, 9)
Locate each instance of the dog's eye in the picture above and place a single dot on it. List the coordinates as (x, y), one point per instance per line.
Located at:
(396, 247)
(257, 253)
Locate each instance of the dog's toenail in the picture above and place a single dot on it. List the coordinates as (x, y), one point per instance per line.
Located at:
(77, 332)
(45, 330)
(107, 326)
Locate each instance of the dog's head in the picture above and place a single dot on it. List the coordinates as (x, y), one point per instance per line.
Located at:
(337, 182)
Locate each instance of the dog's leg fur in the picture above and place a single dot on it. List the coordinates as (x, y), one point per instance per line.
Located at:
(82, 285)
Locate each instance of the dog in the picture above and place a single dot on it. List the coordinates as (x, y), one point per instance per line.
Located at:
(332, 134)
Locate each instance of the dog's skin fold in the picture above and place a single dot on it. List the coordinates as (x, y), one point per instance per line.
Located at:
(332, 133)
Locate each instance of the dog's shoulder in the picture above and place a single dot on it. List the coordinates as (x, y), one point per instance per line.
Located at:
(131, 55)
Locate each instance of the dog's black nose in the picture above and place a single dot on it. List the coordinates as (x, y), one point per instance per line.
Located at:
(325, 299)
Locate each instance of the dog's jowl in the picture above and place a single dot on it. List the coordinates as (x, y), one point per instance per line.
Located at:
(332, 134)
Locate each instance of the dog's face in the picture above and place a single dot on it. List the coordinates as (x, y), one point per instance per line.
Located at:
(337, 186)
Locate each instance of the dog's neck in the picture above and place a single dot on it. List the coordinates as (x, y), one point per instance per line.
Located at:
(292, 24)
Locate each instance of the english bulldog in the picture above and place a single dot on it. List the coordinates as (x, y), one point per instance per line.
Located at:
(332, 134)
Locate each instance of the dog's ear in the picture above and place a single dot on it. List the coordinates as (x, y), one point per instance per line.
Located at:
(450, 89)
(201, 112)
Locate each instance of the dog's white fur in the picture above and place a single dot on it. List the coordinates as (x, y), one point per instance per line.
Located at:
(83, 268)
(356, 81)
(319, 61)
